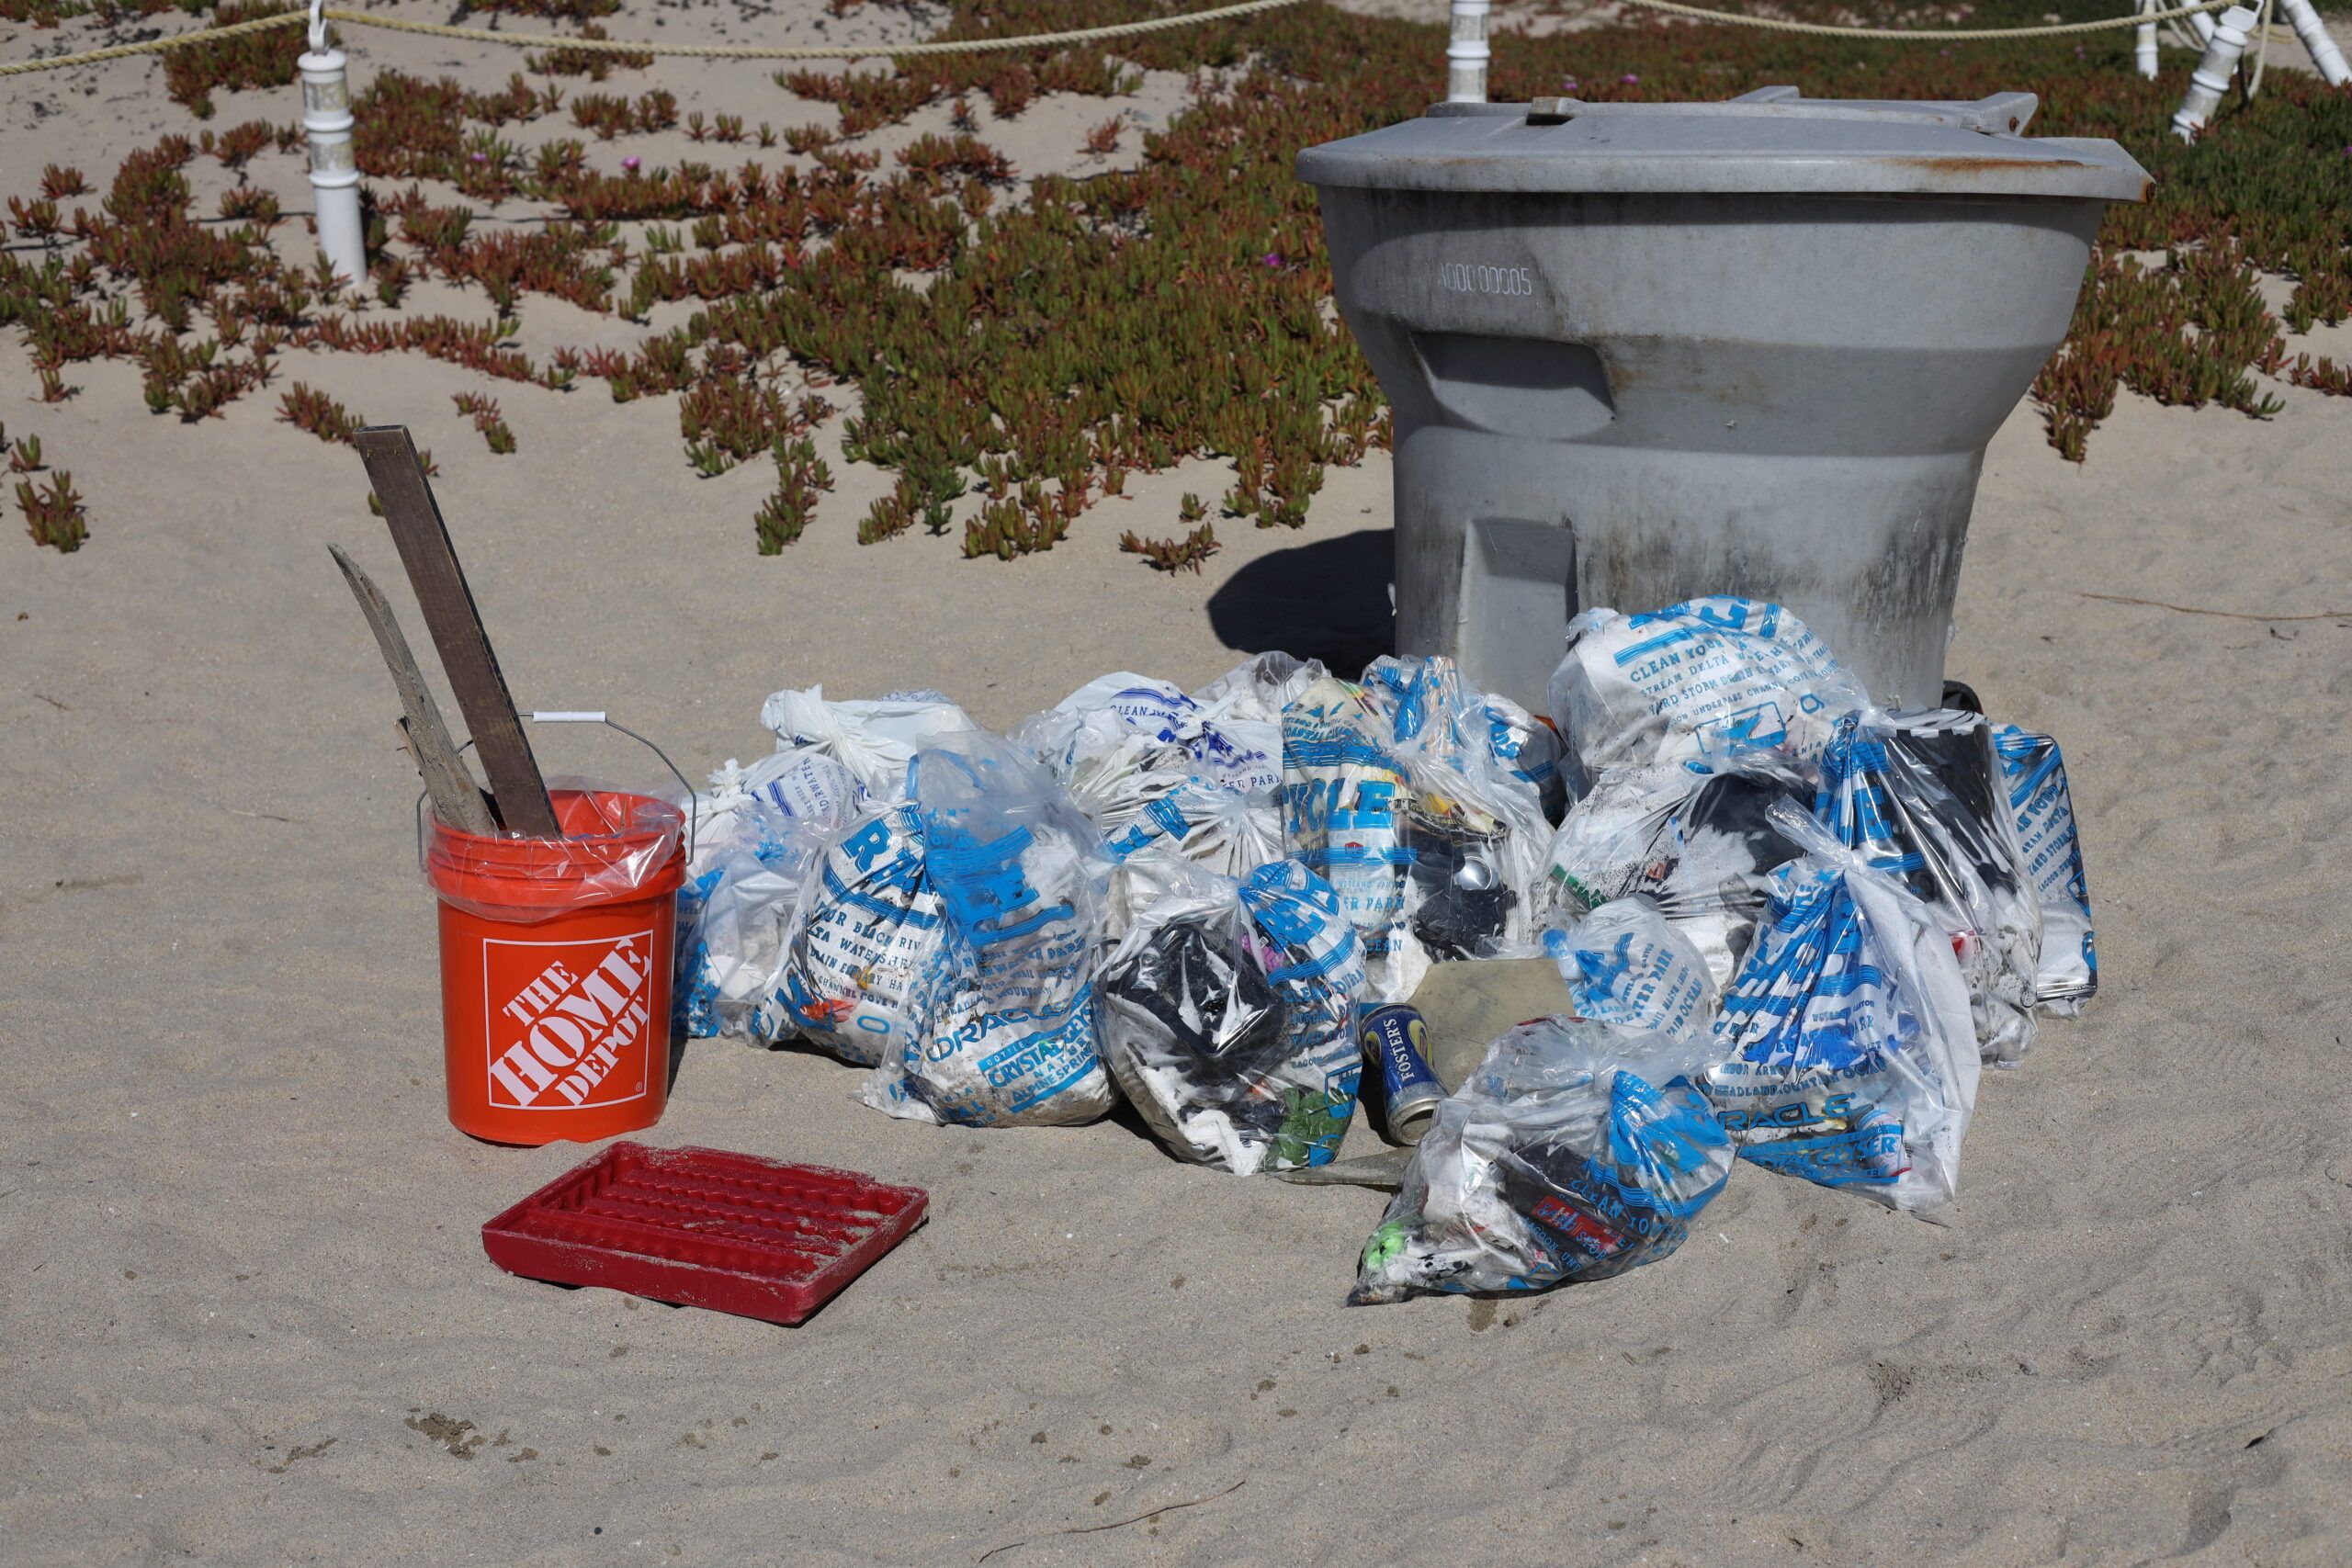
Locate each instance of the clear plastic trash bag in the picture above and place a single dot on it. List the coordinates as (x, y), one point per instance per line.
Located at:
(1394, 792)
(1477, 828)
(1347, 806)
(865, 940)
(1197, 827)
(1123, 741)
(1166, 778)
(874, 738)
(1696, 842)
(757, 832)
(1625, 964)
(1259, 689)
(1530, 749)
(1006, 1035)
(1430, 708)
(1849, 1054)
(1575, 1152)
(1225, 1018)
(2043, 809)
(1920, 795)
(1477, 852)
(1719, 680)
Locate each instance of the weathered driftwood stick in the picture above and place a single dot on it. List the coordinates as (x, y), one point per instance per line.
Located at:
(457, 800)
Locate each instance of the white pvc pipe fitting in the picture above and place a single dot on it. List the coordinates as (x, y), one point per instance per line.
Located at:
(335, 172)
(1465, 53)
(2202, 23)
(2317, 42)
(2144, 47)
(2212, 77)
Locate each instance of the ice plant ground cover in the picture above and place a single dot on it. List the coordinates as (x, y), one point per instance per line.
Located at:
(1031, 347)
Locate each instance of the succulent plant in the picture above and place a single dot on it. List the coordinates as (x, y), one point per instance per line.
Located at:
(1018, 352)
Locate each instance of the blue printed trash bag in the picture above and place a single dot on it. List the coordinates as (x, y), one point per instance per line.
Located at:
(1259, 687)
(1720, 680)
(1694, 841)
(866, 941)
(1848, 1054)
(757, 832)
(1477, 826)
(1225, 1018)
(1172, 780)
(1394, 792)
(1006, 1034)
(1433, 717)
(1347, 801)
(873, 738)
(2043, 809)
(1429, 708)
(1530, 749)
(1920, 797)
(1196, 828)
(1121, 740)
(1575, 1152)
(1625, 964)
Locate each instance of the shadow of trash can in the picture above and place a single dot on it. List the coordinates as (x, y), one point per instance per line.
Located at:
(1640, 352)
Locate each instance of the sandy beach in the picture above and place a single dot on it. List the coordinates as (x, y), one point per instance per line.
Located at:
(246, 1318)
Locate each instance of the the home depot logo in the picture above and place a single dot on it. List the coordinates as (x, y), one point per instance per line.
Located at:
(567, 1021)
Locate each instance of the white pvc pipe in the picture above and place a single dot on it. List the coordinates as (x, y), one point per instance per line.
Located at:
(2317, 42)
(2212, 77)
(1465, 53)
(2203, 22)
(334, 172)
(2263, 28)
(2143, 49)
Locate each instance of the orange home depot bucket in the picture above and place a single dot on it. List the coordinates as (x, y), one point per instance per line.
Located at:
(556, 965)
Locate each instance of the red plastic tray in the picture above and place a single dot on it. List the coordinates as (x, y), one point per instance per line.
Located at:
(703, 1227)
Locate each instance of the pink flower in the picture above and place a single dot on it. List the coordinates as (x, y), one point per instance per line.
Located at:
(633, 165)
(1568, 85)
(1631, 78)
(1273, 258)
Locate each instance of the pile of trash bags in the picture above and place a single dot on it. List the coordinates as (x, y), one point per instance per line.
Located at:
(1790, 926)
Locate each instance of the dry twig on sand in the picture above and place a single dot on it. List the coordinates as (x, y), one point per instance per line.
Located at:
(1097, 1530)
(2225, 615)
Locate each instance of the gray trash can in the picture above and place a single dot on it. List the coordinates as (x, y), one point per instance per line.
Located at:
(1642, 352)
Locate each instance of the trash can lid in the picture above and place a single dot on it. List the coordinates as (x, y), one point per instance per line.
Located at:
(1771, 140)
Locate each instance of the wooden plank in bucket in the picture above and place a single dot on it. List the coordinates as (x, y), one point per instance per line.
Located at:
(448, 605)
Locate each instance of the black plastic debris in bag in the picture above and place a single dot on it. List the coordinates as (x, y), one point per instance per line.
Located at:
(1227, 1015)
